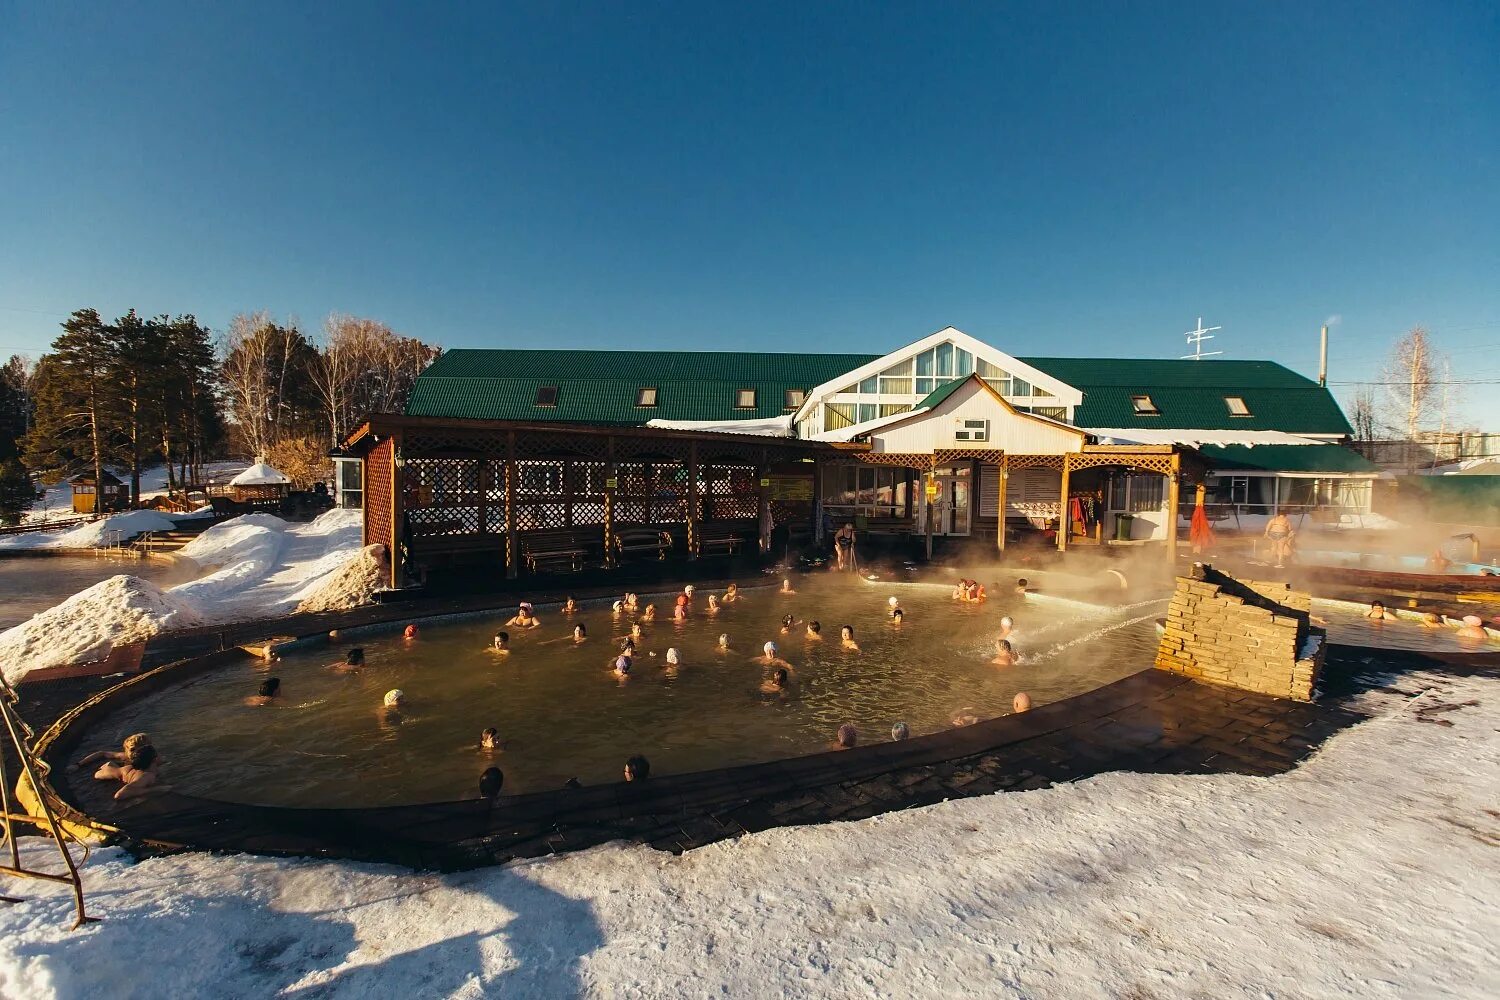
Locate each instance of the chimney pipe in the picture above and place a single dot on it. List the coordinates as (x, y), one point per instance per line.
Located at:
(1323, 360)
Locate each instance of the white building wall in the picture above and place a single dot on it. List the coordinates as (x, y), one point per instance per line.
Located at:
(1011, 432)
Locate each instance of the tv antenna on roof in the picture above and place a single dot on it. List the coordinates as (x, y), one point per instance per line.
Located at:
(1195, 339)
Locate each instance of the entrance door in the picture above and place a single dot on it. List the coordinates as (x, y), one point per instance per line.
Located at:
(951, 507)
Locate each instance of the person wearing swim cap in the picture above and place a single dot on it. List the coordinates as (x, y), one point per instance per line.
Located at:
(674, 661)
(847, 737)
(900, 731)
(410, 632)
(893, 604)
(622, 667)
(770, 654)
(394, 698)
(266, 694)
(1007, 626)
(1473, 628)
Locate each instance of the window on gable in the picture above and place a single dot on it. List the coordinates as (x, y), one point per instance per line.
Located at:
(1237, 407)
(795, 398)
(1144, 406)
(645, 396)
(546, 395)
(744, 399)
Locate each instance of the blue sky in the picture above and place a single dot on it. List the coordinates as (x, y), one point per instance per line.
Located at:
(1071, 179)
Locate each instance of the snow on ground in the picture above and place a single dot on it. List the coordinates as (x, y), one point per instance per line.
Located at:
(57, 501)
(112, 530)
(1369, 872)
(259, 567)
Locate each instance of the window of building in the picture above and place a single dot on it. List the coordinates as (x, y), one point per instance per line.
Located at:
(895, 386)
(891, 409)
(866, 412)
(870, 385)
(973, 430)
(645, 397)
(1137, 493)
(795, 398)
(546, 395)
(1144, 406)
(1019, 387)
(744, 399)
(837, 416)
(1237, 407)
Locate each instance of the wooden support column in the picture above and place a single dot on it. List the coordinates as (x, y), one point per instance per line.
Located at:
(1004, 473)
(567, 490)
(398, 509)
(817, 511)
(482, 479)
(512, 554)
(692, 500)
(609, 502)
(763, 502)
(1172, 493)
(1063, 527)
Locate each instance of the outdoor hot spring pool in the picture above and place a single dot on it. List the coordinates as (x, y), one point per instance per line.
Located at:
(562, 715)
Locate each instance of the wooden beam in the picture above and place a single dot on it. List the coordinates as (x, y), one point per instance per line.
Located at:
(1063, 527)
(512, 552)
(763, 502)
(1172, 494)
(398, 497)
(692, 500)
(1004, 473)
(609, 502)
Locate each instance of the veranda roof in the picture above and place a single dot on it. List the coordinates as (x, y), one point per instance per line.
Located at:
(260, 474)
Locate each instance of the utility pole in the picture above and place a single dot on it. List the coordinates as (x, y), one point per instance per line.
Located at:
(1195, 339)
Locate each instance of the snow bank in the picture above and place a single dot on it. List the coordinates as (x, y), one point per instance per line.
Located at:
(351, 585)
(1367, 873)
(107, 531)
(87, 625)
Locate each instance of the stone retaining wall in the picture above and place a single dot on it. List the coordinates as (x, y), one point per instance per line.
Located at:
(1244, 633)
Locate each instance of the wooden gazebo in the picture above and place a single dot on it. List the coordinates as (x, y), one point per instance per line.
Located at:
(110, 492)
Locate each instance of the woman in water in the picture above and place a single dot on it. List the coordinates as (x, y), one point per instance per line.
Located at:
(490, 739)
(580, 633)
(897, 617)
(815, 631)
(632, 602)
(964, 717)
(788, 622)
(637, 768)
(713, 605)
(769, 655)
(570, 606)
(723, 642)
(1279, 533)
(731, 593)
(895, 605)
(843, 548)
(266, 694)
(353, 659)
(680, 612)
(780, 682)
(523, 618)
(1007, 626)
(674, 662)
(846, 637)
(847, 737)
(649, 614)
(1378, 613)
(410, 632)
(635, 631)
(786, 587)
(1005, 656)
(134, 765)
(622, 667)
(900, 731)
(1473, 628)
(617, 609)
(500, 645)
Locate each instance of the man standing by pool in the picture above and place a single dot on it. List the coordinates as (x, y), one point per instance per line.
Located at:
(1279, 534)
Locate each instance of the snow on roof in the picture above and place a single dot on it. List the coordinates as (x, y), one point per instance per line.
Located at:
(764, 426)
(1195, 438)
(855, 430)
(259, 474)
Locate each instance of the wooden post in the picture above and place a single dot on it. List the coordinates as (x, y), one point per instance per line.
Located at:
(763, 503)
(1172, 496)
(692, 500)
(817, 511)
(483, 480)
(512, 562)
(1004, 473)
(567, 490)
(1063, 527)
(609, 502)
(398, 500)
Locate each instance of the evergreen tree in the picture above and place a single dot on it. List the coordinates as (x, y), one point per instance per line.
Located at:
(140, 371)
(76, 403)
(190, 421)
(15, 405)
(17, 492)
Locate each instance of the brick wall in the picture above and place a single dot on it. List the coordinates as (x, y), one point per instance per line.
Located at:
(1243, 633)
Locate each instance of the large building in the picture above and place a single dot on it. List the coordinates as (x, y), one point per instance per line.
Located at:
(932, 439)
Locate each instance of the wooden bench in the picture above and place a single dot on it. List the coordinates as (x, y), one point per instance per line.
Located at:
(553, 549)
(629, 540)
(720, 538)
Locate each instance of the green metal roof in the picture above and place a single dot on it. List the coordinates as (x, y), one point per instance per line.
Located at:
(1286, 458)
(1190, 394)
(600, 387)
(942, 392)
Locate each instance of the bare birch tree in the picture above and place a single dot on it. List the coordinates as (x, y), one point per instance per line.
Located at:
(268, 373)
(1362, 414)
(364, 367)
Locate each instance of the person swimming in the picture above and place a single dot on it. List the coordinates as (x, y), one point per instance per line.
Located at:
(133, 765)
(490, 783)
(394, 698)
(628, 646)
(569, 606)
(788, 622)
(269, 691)
(1021, 702)
(713, 605)
(1005, 656)
(815, 630)
(846, 637)
(1432, 620)
(580, 632)
(900, 731)
(846, 738)
(769, 654)
(632, 602)
(489, 739)
(1007, 626)
(786, 586)
(622, 666)
(680, 613)
(731, 593)
(897, 617)
(1473, 628)
(964, 717)
(779, 682)
(724, 640)
(524, 618)
(1378, 612)
(501, 643)
(353, 659)
(617, 608)
(649, 614)
(893, 604)
(637, 768)
(410, 632)
(688, 592)
(1021, 585)
(674, 661)
(636, 632)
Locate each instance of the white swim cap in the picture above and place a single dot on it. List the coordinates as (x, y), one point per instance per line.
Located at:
(1008, 621)
(688, 589)
(618, 606)
(1473, 621)
(724, 639)
(770, 648)
(622, 663)
(892, 601)
(673, 656)
(394, 697)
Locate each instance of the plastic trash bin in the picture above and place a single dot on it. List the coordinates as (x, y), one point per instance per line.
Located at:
(1123, 524)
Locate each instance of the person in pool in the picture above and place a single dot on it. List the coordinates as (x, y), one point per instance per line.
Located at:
(964, 717)
(688, 592)
(900, 731)
(617, 609)
(523, 618)
(724, 642)
(569, 606)
(636, 631)
(815, 631)
(780, 682)
(627, 647)
(1473, 628)
(1007, 626)
(843, 548)
(770, 655)
(580, 633)
(1005, 656)
(632, 602)
(1432, 620)
(649, 614)
(410, 632)
(353, 659)
(490, 739)
(1378, 613)
(266, 694)
(731, 593)
(1021, 585)
(786, 587)
(788, 622)
(846, 638)
(893, 604)
(395, 698)
(134, 765)
(500, 644)
(621, 668)
(490, 783)
(847, 737)
(713, 605)
(1279, 533)
(674, 662)
(637, 768)
(897, 617)
(1021, 702)
(680, 612)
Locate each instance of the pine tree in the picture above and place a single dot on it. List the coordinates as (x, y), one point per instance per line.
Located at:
(17, 492)
(140, 370)
(76, 402)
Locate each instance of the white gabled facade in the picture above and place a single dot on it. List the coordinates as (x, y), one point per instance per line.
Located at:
(898, 381)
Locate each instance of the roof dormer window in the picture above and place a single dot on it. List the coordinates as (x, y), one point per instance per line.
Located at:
(546, 395)
(1144, 407)
(1237, 407)
(795, 398)
(744, 399)
(645, 396)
